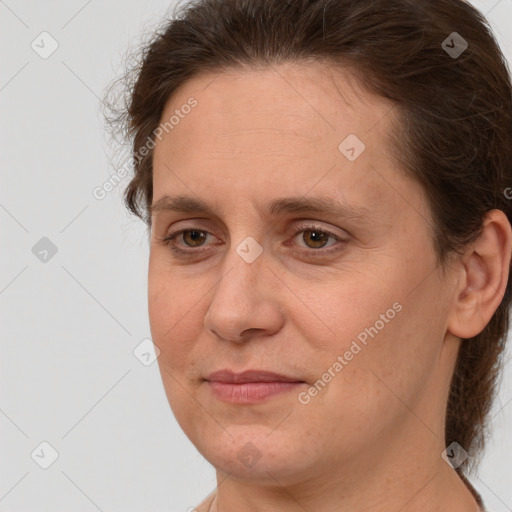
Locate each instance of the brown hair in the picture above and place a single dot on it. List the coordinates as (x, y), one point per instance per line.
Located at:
(454, 129)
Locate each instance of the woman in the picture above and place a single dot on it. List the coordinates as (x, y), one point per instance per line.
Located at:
(329, 277)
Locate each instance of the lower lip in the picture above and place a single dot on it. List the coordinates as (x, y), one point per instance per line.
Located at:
(250, 392)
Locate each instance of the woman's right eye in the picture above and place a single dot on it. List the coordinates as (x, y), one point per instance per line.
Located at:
(192, 237)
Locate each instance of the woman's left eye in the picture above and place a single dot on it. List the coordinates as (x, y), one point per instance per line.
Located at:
(318, 237)
(314, 237)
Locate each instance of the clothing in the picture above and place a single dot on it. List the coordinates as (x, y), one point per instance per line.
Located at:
(474, 492)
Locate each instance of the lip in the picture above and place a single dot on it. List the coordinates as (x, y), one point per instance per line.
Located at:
(250, 386)
(249, 376)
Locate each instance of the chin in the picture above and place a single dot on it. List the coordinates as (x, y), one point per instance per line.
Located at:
(252, 452)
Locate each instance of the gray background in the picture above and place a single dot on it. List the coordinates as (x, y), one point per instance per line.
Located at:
(70, 324)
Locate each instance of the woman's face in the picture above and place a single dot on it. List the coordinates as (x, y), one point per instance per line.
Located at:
(345, 301)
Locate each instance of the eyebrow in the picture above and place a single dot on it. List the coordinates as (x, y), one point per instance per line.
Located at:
(276, 207)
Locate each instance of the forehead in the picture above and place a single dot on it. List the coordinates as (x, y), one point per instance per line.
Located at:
(279, 112)
(308, 99)
(253, 131)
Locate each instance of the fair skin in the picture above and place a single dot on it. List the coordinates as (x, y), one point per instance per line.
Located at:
(372, 438)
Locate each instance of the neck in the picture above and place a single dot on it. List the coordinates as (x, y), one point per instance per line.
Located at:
(412, 478)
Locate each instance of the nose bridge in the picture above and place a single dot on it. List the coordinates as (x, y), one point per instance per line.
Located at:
(245, 254)
(242, 273)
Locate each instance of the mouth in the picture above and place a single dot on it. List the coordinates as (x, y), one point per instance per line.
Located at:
(250, 386)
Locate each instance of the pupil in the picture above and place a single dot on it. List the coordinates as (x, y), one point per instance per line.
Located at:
(316, 236)
(195, 235)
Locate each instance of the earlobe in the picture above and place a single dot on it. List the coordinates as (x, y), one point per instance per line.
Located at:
(484, 271)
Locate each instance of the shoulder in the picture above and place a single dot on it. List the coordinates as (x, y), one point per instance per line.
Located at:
(205, 505)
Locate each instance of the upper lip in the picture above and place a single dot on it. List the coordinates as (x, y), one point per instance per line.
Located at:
(249, 376)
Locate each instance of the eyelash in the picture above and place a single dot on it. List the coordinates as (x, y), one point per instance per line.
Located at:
(169, 240)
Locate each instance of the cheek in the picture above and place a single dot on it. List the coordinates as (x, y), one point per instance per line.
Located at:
(173, 316)
(367, 397)
(389, 339)
(347, 309)
(174, 319)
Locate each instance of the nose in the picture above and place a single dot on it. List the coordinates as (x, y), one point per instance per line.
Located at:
(245, 301)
